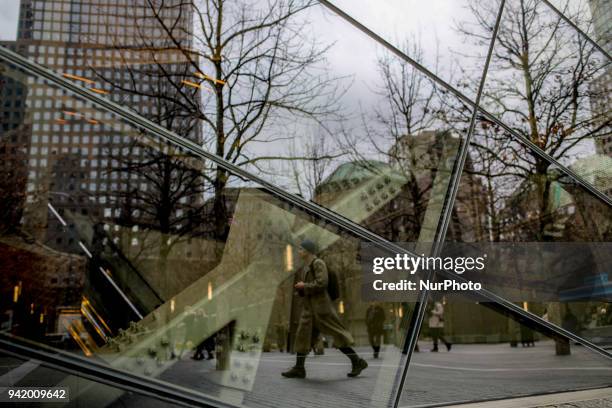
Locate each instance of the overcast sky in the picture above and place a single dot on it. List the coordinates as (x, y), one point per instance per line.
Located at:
(354, 55)
(433, 23)
(8, 19)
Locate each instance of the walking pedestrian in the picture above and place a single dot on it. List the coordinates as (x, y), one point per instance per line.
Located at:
(200, 323)
(436, 326)
(318, 314)
(281, 336)
(375, 324)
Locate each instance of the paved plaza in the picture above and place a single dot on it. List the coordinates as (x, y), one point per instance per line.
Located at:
(467, 373)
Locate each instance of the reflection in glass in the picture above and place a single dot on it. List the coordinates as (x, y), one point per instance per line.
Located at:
(126, 252)
(511, 356)
(591, 16)
(320, 122)
(430, 34)
(519, 203)
(31, 373)
(120, 247)
(551, 86)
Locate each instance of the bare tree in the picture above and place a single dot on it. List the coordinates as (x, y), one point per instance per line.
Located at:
(254, 64)
(411, 130)
(318, 157)
(540, 83)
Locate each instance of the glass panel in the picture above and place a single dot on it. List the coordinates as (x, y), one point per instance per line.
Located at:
(431, 34)
(484, 354)
(503, 197)
(30, 373)
(552, 87)
(121, 248)
(354, 131)
(591, 16)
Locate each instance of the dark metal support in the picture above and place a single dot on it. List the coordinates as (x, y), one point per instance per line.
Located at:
(447, 211)
(575, 27)
(100, 373)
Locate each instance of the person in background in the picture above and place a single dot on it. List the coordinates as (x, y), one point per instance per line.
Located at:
(208, 344)
(436, 326)
(375, 323)
(281, 337)
(318, 314)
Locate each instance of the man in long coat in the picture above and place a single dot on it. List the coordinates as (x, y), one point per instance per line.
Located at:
(318, 314)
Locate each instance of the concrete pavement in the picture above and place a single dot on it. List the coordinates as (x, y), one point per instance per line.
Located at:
(596, 398)
(468, 373)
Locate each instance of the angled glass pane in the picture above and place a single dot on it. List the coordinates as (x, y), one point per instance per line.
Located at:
(431, 34)
(551, 86)
(353, 131)
(18, 373)
(484, 354)
(591, 16)
(504, 198)
(122, 248)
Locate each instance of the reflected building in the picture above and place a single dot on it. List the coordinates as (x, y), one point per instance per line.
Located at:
(98, 46)
(524, 219)
(568, 215)
(68, 161)
(601, 12)
(601, 87)
(427, 160)
(39, 286)
(400, 199)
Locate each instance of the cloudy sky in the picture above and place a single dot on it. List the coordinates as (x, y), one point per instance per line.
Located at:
(8, 19)
(354, 55)
(432, 24)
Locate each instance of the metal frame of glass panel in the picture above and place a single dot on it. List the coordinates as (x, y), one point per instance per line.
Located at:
(152, 387)
(575, 27)
(443, 222)
(104, 374)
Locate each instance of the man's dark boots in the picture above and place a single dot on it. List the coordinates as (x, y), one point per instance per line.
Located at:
(295, 372)
(298, 371)
(358, 363)
(376, 351)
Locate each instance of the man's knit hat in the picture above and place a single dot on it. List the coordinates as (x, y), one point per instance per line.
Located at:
(309, 246)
